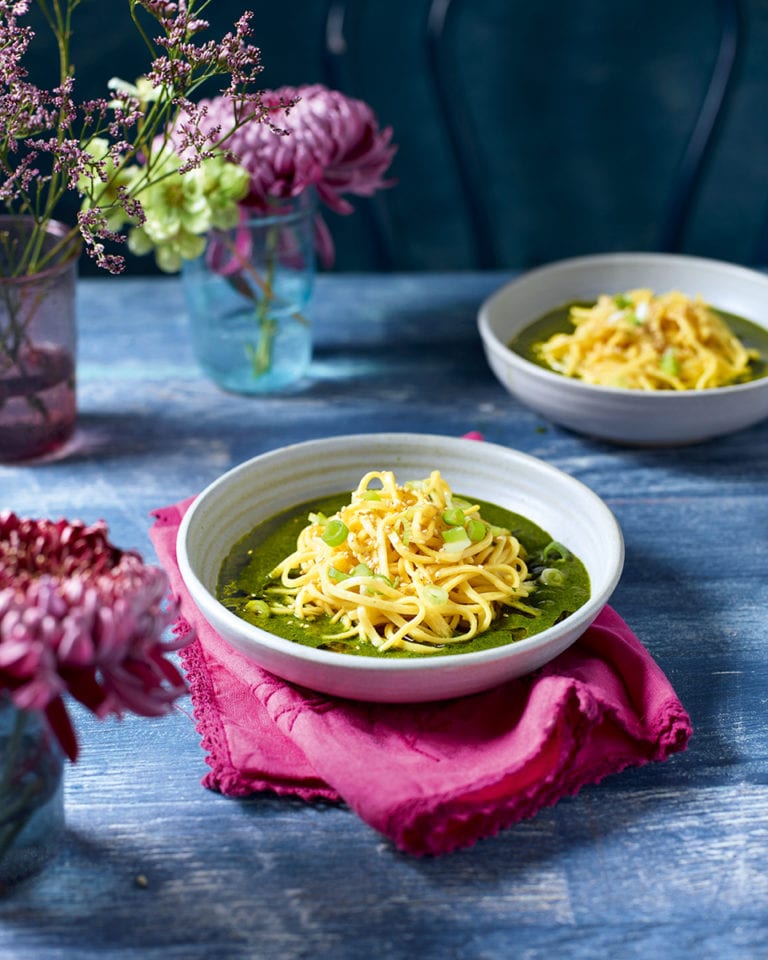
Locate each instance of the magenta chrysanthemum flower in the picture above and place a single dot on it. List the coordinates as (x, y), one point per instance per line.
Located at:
(331, 142)
(80, 616)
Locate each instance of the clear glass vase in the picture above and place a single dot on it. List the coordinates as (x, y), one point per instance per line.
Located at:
(247, 297)
(31, 794)
(37, 344)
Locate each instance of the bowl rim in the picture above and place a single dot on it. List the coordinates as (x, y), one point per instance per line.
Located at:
(580, 618)
(650, 397)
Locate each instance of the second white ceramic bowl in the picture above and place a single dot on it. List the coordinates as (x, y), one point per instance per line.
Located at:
(260, 488)
(634, 417)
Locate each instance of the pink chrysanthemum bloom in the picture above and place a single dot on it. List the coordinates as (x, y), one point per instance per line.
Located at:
(80, 616)
(332, 142)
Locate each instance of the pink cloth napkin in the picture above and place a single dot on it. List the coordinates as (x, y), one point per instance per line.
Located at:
(432, 777)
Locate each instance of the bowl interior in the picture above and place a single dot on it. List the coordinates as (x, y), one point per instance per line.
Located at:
(728, 287)
(260, 488)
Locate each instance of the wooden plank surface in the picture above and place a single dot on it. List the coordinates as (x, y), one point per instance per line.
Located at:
(669, 860)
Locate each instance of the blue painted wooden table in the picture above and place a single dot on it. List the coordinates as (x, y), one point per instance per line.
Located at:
(665, 861)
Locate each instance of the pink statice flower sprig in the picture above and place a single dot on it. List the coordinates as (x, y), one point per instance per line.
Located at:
(53, 144)
(80, 617)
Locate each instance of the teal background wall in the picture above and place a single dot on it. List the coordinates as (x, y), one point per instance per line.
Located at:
(527, 131)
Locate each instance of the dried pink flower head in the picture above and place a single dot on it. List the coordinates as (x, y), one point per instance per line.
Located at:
(80, 616)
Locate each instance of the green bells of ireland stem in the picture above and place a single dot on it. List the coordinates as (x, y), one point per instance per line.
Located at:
(247, 295)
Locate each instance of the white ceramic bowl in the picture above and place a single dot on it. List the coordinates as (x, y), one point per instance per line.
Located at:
(260, 488)
(620, 415)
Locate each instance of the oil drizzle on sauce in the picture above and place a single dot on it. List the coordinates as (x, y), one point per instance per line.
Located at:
(245, 573)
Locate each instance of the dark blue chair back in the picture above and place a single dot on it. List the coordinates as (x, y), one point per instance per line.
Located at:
(529, 131)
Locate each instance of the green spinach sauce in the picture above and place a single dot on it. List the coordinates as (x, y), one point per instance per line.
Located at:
(556, 321)
(245, 574)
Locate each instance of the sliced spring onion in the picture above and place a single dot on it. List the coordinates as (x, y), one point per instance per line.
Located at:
(335, 533)
(318, 518)
(668, 363)
(634, 320)
(557, 550)
(362, 570)
(435, 596)
(455, 540)
(371, 495)
(337, 575)
(457, 546)
(476, 530)
(406, 537)
(454, 516)
(455, 535)
(499, 532)
(622, 301)
(258, 607)
(551, 577)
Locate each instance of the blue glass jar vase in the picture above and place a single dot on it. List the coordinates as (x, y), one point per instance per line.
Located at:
(31, 794)
(247, 297)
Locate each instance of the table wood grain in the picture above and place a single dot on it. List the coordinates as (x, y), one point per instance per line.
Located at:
(665, 861)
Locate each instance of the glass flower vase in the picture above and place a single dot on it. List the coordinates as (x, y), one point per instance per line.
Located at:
(247, 297)
(37, 343)
(31, 793)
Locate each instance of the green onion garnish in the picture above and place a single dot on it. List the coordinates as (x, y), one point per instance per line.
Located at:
(406, 537)
(258, 607)
(454, 516)
(371, 495)
(557, 549)
(456, 539)
(362, 570)
(476, 530)
(457, 546)
(335, 533)
(622, 301)
(455, 535)
(435, 596)
(668, 363)
(337, 575)
(551, 577)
